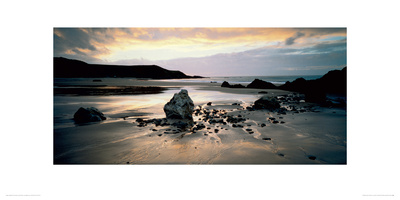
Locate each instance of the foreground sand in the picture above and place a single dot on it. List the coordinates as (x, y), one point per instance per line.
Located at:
(315, 135)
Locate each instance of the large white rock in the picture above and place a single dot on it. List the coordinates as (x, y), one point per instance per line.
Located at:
(180, 106)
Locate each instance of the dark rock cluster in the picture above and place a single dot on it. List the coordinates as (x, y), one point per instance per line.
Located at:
(265, 102)
(316, 91)
(334, 82)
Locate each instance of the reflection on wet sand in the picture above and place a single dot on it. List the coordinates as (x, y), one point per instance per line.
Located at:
(304, 138)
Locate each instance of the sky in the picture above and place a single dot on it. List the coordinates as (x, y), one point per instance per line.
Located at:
(210, 51)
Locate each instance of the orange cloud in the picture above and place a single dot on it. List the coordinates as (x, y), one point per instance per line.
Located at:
(111, 43)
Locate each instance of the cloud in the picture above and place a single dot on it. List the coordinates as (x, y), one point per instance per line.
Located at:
(116, 43)
(313, 60)
(290, 41)
(208, 51)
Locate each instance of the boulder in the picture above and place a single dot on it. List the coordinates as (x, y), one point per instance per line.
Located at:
(180, 106)
(90, 114)
(265, 102)
(260, 84)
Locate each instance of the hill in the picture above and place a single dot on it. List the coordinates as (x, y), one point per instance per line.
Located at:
(68, 68)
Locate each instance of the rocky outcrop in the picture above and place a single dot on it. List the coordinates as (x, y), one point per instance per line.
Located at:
(265, 102)
(226, 84)
(260, 84)
(90, 114)
(180, 106)
(334, 82)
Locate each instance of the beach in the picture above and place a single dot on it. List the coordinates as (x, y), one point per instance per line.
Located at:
(309, 134)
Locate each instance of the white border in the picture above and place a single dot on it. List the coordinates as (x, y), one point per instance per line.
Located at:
(26, 139)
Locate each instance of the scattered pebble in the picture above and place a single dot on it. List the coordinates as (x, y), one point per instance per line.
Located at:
(266, 138)
(160, 135)
(312, 157)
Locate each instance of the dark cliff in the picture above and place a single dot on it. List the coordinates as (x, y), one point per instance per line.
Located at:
(67, 68)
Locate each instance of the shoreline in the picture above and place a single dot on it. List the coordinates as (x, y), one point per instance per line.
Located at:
(310, 135)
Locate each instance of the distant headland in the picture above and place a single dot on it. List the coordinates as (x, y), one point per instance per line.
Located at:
(68, 68)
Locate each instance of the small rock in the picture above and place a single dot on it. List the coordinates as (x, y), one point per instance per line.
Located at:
(209, 103)
(262, 125)
(159, 135)
(312, 157)
(266, 138)
(216, 130)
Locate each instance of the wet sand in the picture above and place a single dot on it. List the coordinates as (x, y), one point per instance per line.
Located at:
(311, 134)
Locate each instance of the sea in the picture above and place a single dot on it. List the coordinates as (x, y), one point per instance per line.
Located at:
(244, 80)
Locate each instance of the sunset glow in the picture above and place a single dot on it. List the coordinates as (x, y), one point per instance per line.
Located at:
(184, 48)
